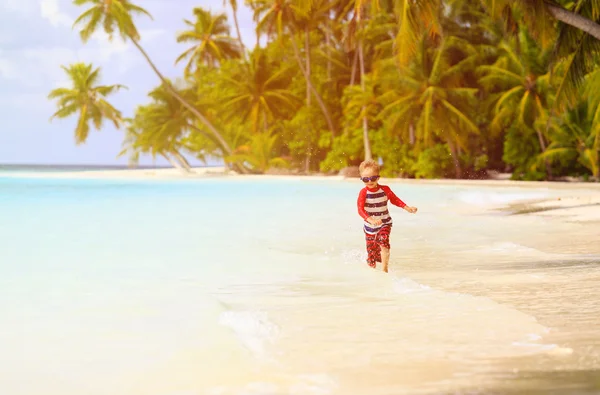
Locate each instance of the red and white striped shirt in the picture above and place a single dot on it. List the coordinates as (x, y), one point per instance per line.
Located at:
(373, 203)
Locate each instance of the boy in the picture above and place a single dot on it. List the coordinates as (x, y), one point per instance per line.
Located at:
(372, 207)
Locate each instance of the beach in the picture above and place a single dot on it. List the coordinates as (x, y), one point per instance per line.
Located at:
(156, 282)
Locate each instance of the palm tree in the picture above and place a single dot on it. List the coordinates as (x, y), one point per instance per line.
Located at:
(234, 9)
(286, 15)
(593, 95)
(140, 138)
(430, 98)
(260, 91)
(539, 15)
(87, 98)
(573, 138)
(358, 31)
(358, 12)
(117, 15)
(212, 43)
(361, 108)
(259, 152)
(520, 85)
(170, 123)
(131, 144)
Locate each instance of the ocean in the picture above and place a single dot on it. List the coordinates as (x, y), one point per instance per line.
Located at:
(259, 286)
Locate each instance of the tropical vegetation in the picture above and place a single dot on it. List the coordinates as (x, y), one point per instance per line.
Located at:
(430, 88)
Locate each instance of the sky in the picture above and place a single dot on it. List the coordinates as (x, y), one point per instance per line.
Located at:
(36, 38)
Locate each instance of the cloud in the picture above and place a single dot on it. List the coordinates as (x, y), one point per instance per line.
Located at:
(50, 11)
(6, 38)
(6, 68)
(24, 7)
(33, 67)
(31, 102)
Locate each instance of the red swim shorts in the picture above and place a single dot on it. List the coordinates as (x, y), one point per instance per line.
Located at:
(376, 242)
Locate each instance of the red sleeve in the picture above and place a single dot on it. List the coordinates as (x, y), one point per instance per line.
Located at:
(362, 198)
(395, 200)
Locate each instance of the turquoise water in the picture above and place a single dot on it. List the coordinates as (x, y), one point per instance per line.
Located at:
(245, 286)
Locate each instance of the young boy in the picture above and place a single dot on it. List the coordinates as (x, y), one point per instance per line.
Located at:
(372, 207)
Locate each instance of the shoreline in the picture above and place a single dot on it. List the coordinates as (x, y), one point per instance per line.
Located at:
(220, 171)
(580, 201)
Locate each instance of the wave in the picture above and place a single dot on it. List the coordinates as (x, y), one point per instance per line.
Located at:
(510, 247)
(486, 198)
(253, 328)
(449, 323)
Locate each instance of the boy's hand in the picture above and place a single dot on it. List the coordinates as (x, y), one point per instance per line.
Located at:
(411, 210)
(374, 221)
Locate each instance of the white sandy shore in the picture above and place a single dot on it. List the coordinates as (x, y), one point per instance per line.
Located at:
(201, 172)
(580, 201)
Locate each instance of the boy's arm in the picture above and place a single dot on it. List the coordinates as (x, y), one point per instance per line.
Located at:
(362, 198)
(395, 200)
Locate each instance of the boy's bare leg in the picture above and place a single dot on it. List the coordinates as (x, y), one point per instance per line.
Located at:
(385, 258)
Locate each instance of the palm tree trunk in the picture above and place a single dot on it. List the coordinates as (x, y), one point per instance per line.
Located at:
(543, 148)
(209, 136)
(575, 20)
(311, 86)
(328, 50)
(354, 65)
(307, 161)
(455, 159)
(237, 29)
(187, 105)
(307, 50)
(182, 160)
(308, 95)
(173, 163)
(365, 121)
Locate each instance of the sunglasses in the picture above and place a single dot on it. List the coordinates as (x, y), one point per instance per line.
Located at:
(367, 179)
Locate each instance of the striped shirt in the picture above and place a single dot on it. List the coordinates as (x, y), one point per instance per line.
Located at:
(373, 203)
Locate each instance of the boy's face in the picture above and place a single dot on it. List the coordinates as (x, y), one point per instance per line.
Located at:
(370, 176)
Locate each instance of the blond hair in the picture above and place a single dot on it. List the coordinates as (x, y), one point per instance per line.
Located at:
(368, 164)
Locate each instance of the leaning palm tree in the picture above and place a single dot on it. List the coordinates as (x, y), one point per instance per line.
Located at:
(212, 43)
(259, 152)
(87, 98)
(116, 16)
(169, 123)
(579, 30)
(578, 39)
(148, 133)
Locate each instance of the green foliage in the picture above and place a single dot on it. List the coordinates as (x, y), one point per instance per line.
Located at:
(347, 150)
(399, 158)
(434, 162)
(212, 43)
(259, 153)
(521, 149)
(87, 98)
(440, 89)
